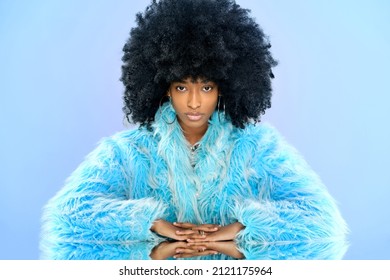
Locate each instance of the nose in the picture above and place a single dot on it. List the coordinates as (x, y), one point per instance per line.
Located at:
(194, 100)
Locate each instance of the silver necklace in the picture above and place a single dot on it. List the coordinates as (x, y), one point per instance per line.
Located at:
(193, 149)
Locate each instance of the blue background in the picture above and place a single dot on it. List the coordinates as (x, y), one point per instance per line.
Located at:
(60, 93)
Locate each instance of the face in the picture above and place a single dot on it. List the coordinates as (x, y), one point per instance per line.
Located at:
(194, 103)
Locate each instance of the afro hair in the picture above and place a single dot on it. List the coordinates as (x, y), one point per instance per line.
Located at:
(214, 39)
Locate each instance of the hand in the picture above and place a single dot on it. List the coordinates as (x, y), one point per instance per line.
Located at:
(224, 233)
(179, 249)
(167, 229)
(195, 231)
(182, 231)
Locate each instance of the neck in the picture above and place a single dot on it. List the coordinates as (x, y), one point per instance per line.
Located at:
(193, 135)
(192, 139)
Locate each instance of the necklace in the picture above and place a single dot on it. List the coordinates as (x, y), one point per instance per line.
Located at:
(193, 149)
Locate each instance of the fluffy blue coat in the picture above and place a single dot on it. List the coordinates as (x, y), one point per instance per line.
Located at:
(248, 175)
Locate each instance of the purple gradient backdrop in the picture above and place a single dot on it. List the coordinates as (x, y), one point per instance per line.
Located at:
(60, 93)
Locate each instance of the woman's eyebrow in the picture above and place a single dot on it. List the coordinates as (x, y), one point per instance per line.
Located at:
(193, 81)
(180, 82)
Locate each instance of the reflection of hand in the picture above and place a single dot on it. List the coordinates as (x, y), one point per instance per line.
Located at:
(224, 233)
(228, 248)
(165, 250)
(176, 249)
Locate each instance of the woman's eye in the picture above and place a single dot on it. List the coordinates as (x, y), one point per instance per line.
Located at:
(207, 88)
(180, 88)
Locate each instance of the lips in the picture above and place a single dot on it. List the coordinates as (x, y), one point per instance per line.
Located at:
(194, 116)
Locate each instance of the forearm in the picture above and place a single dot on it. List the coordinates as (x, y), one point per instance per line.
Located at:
(293, 229)
(99, 221)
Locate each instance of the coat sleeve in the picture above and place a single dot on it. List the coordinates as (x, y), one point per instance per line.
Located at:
(94, 206)
(292, 215)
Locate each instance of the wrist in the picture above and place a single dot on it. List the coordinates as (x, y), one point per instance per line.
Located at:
(155, 225)
(238, 226)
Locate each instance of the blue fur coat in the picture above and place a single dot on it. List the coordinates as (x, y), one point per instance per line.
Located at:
(248, 175)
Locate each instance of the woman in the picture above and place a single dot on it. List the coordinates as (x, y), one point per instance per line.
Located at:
(197, 170)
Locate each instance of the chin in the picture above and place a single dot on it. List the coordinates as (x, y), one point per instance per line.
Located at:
(196, 125)
(193, 124)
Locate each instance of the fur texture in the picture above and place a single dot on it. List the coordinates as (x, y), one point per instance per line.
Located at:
(249, 175)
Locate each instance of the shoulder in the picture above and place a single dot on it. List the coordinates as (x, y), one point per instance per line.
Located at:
(261, 135)
(265, 143)
(125, 142)
(130, 137)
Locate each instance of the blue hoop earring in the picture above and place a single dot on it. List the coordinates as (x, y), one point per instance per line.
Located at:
(219, 107)
(160, 104)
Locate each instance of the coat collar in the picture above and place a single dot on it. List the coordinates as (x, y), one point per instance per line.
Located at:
(189, 184)
(167, 129)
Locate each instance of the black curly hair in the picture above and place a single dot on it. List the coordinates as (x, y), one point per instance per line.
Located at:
(214, 39)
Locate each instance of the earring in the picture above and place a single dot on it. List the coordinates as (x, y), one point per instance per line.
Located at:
(160, 104)
(219, 107)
